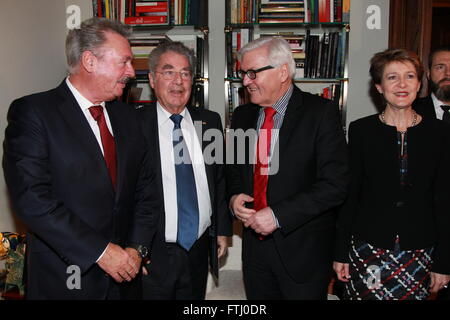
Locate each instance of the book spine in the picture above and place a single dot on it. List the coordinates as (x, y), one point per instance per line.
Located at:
(159, 7)
(146, 20)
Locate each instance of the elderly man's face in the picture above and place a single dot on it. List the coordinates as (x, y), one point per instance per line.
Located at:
(266, 88)
(439, 75)
(173, 92)
(113, 67)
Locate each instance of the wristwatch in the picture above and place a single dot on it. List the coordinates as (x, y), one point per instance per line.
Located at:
(142, 250)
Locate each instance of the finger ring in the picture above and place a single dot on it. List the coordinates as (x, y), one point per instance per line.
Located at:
(445, 286)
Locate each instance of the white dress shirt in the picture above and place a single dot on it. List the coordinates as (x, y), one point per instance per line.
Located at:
(437, 107)
(165, 128)
(85, 104)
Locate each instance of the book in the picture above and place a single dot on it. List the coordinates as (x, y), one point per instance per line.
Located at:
(159, 6)
(146, 20)
(346, 11)
(282, 9)
(281, 20)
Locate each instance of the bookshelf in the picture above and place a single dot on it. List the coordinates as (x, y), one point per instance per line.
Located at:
(318, 32)
(156, 21)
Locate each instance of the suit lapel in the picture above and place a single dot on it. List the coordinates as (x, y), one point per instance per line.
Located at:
(150, 124)
(429, 108)
(76, 122)
(250, 122)
(291, 119)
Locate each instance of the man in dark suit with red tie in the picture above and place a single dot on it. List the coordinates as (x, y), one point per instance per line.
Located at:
(79, 173)
(286, 193)
(437, 105)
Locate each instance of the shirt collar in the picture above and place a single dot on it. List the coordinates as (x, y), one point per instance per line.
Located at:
(436, 101)
(84, 103)
(164, 115)
(281, 105)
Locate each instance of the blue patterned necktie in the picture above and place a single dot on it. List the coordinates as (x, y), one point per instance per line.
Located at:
(186, 189)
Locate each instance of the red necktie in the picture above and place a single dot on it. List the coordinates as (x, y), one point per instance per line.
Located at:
(261, 174)
(109, 146)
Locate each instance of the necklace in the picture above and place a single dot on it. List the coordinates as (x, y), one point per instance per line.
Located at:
(413, 123)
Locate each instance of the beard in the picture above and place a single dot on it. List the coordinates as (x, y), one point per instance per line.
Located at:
(441, 92)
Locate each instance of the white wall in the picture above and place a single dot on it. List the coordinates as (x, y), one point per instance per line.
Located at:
(31, 59)
(363, 43)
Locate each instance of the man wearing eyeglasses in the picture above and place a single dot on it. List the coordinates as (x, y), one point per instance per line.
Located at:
(293, 177)
(196, 219)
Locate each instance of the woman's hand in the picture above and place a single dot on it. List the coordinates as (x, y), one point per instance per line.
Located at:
(342, 271)
(438, 281)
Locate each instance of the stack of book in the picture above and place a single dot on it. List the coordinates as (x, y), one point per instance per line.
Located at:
(332, 92)
(242, 11)
(141, 46)
(326, 11)
(153, 12)
(324, 55)
(273, 11)
(235, 41)
(297, 43)
(147, 12)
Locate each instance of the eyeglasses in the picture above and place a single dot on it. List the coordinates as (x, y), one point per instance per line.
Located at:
(170, 75)
(251, 74)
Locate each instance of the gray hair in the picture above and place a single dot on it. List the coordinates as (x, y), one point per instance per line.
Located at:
(174, 46)
(279, 52)
(90, 37)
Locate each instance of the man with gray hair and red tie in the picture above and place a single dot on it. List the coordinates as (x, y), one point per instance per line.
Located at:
(286, 193)
(79, 175)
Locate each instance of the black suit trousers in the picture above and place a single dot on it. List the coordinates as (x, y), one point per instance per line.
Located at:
(266, 278)
(187, 273)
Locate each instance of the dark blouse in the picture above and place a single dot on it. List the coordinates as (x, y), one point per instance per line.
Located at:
(382, 204)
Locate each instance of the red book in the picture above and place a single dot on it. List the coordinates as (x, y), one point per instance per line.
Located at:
(238, 64)
(327, 10)
(326, 93)
(338, 9)
(322, 13)
(146, 20)
(99, 8)
(150, 7)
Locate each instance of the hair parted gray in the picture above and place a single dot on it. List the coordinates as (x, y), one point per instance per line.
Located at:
(279, 52)
(89, 37)
(174, 46)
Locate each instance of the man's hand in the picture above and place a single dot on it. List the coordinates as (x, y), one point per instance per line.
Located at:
(135, 258)
(237, 204)
(438, 281)
(222, 246)
(342, 271)
(117, 263)
(262, 222)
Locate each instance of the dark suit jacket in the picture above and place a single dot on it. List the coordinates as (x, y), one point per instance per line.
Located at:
(378, 209)
(425, 107)
(311, 181)
(60, 187)
(220, 219)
